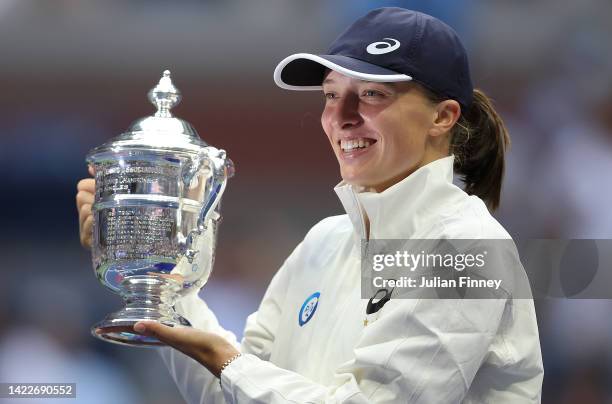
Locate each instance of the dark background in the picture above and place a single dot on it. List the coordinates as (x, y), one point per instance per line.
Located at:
(74, 73)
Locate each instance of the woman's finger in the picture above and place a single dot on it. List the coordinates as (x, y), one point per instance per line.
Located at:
(182, 338)
(86, 232)
(83, 197)
(84, 213)
(87, 184)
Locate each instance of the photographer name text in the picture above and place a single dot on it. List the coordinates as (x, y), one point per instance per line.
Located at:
(435, 282)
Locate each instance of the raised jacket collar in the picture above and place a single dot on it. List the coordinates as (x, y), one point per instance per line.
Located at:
(407, 209)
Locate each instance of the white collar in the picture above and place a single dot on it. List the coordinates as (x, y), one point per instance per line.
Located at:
(406, 209)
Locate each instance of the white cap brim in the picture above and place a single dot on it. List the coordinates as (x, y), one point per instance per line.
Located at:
(345, 65)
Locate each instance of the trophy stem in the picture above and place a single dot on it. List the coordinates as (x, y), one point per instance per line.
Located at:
(146, 297)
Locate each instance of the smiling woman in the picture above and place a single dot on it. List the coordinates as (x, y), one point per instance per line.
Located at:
(401, 116)
(402, 128)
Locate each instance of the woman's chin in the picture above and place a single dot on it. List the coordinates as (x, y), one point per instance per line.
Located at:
(359, 182)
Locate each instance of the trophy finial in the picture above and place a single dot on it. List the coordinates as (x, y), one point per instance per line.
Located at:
(164, 96)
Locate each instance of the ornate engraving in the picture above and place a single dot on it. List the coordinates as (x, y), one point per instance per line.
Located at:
(140, 177)
(138, 232)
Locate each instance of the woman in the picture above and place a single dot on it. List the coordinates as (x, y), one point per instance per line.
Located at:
(400, 113)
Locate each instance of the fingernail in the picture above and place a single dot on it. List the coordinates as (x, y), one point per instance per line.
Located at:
(139, 327)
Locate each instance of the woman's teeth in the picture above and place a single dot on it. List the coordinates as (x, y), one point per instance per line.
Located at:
(361, 143)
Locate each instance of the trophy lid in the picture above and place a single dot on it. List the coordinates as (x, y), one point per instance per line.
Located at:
(160, 132)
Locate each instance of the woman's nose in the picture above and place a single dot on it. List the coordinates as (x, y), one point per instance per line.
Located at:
(347, 114)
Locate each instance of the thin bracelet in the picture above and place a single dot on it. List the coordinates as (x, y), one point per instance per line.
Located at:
(226, 364)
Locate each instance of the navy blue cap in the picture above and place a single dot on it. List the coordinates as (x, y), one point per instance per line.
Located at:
(388, 44)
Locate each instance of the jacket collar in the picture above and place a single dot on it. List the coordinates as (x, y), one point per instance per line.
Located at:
(406, 209)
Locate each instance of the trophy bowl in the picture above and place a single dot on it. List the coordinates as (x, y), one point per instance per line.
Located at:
(156, 215)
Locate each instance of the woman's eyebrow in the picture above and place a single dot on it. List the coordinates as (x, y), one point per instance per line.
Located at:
(364, 82)
(386, 85)
(383, 84)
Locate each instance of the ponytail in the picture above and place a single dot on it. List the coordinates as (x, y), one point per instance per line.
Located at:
(479, 140)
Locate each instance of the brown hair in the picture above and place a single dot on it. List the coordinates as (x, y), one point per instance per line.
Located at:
(479, 141)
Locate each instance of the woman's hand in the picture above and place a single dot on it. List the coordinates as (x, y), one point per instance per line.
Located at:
(84, 201)
(211, 350)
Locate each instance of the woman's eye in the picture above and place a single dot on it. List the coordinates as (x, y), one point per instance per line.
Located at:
(330, 96)
(371, 93)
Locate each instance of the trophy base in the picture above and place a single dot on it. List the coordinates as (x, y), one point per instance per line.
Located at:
(121, 330)
(147, 298)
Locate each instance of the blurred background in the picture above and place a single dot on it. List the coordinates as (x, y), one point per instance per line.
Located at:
(74, 73)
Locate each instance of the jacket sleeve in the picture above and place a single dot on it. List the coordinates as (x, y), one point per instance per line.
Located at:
(195, 382)
(417, 351)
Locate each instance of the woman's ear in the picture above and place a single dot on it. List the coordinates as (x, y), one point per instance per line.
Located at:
(446, 114)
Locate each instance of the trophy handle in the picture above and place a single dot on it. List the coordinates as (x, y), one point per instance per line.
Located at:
(222, 169)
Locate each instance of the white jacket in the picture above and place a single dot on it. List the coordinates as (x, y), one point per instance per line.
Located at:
(411, 351)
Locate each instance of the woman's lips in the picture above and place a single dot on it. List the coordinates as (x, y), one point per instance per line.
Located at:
(355, 143)
(355, 148)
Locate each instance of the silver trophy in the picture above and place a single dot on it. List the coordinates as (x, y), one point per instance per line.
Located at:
(156, 213)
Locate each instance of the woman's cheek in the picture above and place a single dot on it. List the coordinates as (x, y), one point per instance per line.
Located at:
(326, 128)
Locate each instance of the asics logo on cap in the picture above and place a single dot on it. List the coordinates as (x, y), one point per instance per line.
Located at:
(382, 47)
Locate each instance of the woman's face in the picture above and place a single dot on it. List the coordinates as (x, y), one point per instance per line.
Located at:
(380, 132)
